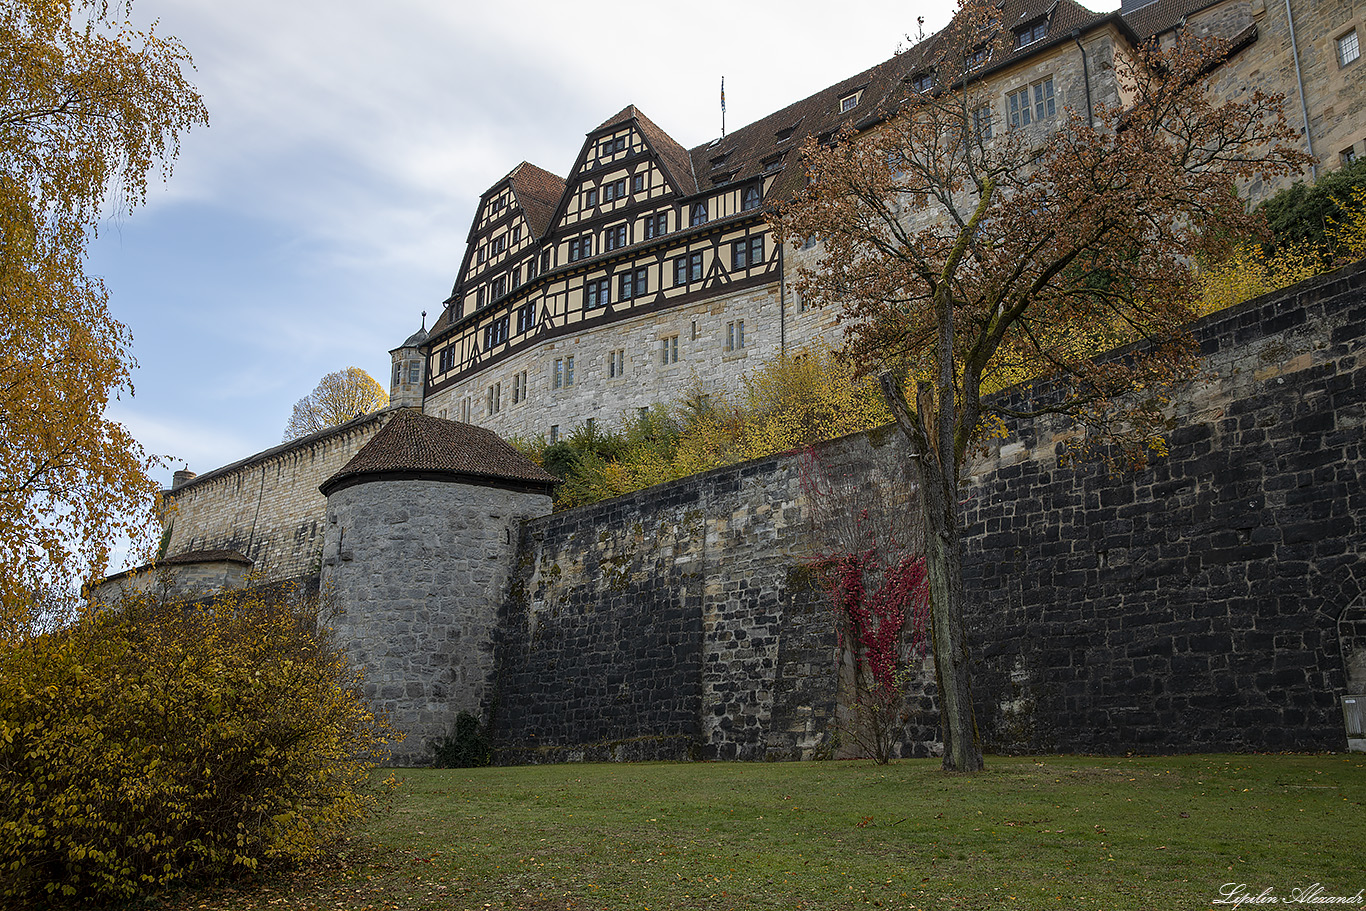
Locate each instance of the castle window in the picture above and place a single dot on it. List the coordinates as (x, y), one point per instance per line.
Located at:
(483, 255)
(554, 433)
(478, 297)
(581, 248)
(516, 276)
(519, 387)
(614, 190)
(465, 408)
(751, 199)
(1349, 48)
(688, 269)
(1034, 31)
(495, 333)
(699, 214)
(526, 318)
(498, 245)
(414, 372)
(632, 284)
(590, 198)
(616, 363)
(637, 183)
(531, 268)
(1348, 155)
(1031, 104)
(981, 122)
(772, 162)
(668, 350)
(517, 234)
(612, 146)
(785, 134)
(978, 57)
(849, 102)
(564, 372)
(398, 373)
(597, 293)
(614, 238)
(922, 82)
(446, 360)
(656, 225)
(545, 261)
(747, 252)
(735, 335)
(498, 287)
(495, 398)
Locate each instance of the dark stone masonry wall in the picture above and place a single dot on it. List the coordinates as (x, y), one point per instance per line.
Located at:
(1193, 605)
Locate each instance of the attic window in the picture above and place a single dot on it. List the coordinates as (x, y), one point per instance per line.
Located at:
(723, 177)
(718, 160)
(922, 82)
(978, 57)
(785, 134)
(1034, 31)
(772, 162)
(850, 101)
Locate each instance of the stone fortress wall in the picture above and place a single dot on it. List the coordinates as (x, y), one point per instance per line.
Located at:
(1191, 606)
(266, 507)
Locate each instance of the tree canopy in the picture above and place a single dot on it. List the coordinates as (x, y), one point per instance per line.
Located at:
(89, 108)
(338, 397)
(966, 256)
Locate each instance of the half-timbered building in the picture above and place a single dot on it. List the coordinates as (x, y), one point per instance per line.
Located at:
(650, 272)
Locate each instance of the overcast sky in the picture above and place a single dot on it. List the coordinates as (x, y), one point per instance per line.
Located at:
(327, 204)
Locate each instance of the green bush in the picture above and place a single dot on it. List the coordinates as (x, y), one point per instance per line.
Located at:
(466, 748)
(148, 745)
(1303, 214)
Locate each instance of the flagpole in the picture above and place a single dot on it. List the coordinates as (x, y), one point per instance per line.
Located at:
(723, 107)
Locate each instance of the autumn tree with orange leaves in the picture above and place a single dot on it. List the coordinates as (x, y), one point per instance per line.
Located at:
(965, 258)
(89, 107)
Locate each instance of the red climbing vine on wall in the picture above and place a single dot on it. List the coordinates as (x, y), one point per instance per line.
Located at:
(868, 559)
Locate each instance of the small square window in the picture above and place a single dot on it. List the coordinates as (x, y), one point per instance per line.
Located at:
(1349, 49)
(1348, 155)
(849, 102)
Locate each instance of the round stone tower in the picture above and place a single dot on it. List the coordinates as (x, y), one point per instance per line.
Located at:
(422, 528)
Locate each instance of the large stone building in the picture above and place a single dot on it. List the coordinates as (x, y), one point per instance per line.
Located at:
(650, 270)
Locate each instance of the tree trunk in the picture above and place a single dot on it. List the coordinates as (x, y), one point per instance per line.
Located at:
(944, 563)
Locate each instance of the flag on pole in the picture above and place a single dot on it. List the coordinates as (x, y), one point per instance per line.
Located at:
(723, 94)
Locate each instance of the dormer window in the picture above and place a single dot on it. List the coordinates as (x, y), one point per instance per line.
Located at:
(978, 57)
(922, 82)
(850, 101)
(772, 163)
(751, 199)
(1034, 31)
(719, 160)
(699, 214)
(785, 134)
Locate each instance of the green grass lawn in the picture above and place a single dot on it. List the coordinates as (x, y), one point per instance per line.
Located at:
(1029, 833)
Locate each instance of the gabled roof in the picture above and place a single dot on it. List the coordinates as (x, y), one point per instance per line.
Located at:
(417, 445)
(538, 193)
(672, 156)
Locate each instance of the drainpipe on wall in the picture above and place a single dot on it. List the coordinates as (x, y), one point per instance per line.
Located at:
(1299, 80)
(782, 302)
(1086, 78)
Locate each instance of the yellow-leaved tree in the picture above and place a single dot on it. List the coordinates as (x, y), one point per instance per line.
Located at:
(338, 397)
(89, 107)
